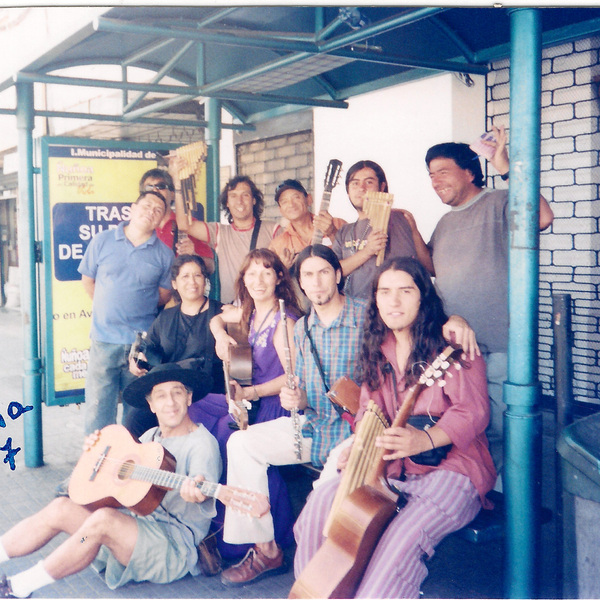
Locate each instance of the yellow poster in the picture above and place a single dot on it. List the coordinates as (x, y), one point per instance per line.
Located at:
(89, 189)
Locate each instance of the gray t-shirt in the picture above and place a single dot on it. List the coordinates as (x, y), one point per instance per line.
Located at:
(353, 237)
(470, 256)
(197, 454)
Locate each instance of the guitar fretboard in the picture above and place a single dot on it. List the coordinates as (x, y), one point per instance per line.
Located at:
(318, 234)
(165, 479)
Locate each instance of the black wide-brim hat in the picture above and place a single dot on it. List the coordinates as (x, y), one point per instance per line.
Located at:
(135, 393)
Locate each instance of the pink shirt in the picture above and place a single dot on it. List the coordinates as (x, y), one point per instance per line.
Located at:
(464, 410)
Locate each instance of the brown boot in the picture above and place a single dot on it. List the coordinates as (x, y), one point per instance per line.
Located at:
(253, 567)
(209, 557)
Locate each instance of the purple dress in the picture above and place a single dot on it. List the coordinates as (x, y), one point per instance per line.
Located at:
(212, 412)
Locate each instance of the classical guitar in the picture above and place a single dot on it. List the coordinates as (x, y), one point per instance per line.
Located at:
(118, 471)
(364, 504)
(332, 176)
(241, 414)
(240, 369)
(240, 356)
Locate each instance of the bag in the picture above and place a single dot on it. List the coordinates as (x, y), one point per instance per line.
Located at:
(433, 457)
(345, 394)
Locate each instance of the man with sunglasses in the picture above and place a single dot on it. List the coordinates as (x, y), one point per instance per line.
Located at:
(159, 180)
(294, 204)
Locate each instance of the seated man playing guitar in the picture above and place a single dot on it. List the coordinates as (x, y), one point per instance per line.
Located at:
(405, 504)
(161, 547)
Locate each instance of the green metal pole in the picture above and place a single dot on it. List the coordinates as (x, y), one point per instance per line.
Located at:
(213, 162)
(32, 367)
(213, 178)
(522, 420)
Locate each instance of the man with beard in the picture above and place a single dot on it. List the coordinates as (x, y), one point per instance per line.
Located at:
(334, 326)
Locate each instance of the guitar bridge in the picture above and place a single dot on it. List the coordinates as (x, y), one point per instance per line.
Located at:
(99, 462)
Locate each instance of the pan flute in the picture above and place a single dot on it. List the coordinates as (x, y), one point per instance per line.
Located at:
(193, 156)
(364, 460)
(378, 207)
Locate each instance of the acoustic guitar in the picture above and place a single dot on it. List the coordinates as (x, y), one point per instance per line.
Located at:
(118, 471)
(364, 504)
(332, 175)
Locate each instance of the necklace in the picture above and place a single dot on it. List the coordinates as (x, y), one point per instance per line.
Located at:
(357, 242)
(188, 321)
(258, 331)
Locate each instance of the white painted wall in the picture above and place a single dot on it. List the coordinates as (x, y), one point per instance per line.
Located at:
(395, 127)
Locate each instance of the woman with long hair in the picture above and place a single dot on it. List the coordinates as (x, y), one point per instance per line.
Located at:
(261, 282)
(436, 494)
(181, 334)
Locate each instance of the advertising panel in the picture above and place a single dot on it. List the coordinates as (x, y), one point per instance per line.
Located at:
(88, 186)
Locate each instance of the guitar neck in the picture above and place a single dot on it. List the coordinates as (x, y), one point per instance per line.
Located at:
(171, 481)
(318, 234)
(406, 409)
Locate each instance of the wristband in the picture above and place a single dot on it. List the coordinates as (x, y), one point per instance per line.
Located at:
(427, 434)
(504, 177)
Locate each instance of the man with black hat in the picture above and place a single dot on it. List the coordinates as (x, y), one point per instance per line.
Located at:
(295, 204)
(161, 547)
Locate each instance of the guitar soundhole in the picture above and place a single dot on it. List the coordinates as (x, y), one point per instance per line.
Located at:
(126, 469)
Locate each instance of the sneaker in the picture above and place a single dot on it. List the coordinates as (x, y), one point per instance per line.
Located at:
(253, 567)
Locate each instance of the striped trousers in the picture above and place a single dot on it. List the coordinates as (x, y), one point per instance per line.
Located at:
(439, 503)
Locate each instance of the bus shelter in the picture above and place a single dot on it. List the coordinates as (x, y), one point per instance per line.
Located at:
(260, 62)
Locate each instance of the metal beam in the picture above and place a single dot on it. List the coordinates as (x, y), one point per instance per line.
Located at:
(160, 74)
(455, 39)
(220, 14)
(237, 38)
(146, 121)
(554, 37)
(119, 119)
(284, 61)
(176, 89)
(389, 59)
(154, 47)
(383, 26)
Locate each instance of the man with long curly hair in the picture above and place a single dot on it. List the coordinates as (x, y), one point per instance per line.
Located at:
(243, 203)
(403, 335)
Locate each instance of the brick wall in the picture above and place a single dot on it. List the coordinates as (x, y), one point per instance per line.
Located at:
(570, 176)
(271, 160)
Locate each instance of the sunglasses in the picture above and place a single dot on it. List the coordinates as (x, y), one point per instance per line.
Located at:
(157, 186)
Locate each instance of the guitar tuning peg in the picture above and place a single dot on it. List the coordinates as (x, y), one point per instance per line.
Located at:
(445, 364)
(458, 366)
(437, 373)
(429, 382)
(442, 382)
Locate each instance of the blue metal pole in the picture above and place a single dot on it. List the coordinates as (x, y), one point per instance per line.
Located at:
(522, 420)
(32, 367)
(213, 169)
(213, 163)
